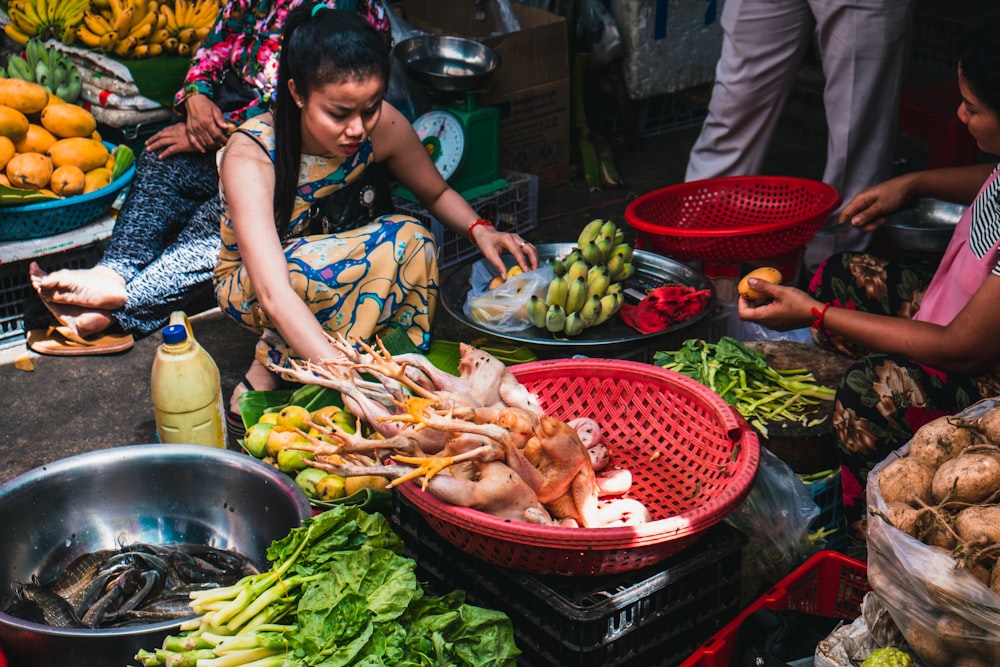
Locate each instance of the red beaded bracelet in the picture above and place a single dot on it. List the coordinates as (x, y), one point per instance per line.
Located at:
(476, 224)
(820, 315)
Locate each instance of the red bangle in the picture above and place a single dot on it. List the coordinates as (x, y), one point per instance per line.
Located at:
(476, 224)
(820, 315)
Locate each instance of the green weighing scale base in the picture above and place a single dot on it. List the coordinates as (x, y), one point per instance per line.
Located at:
(468, 193)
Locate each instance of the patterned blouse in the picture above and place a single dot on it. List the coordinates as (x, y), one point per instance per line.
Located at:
(246, 37)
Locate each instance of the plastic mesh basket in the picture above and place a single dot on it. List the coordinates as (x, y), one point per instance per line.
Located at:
(33, 221)
(733, 219)
(692, 459)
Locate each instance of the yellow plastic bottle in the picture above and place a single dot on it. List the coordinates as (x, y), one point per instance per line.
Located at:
(186, 388)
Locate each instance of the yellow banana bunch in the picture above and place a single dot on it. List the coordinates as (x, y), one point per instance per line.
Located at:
(587, 290)
(188, 22)
(44, 19)
(129, 29)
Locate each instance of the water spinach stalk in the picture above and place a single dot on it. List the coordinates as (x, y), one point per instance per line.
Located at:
(744, 379)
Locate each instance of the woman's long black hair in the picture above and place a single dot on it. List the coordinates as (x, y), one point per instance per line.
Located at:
(980, 65)
(319, 45)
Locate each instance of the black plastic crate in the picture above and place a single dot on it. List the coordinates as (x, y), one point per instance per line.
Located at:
(657, 615)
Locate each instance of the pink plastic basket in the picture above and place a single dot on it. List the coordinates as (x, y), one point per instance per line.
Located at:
(734, 219)
(692, 458)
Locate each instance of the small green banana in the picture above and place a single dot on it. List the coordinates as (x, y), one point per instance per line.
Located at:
(627, 272)
(17, 68)
(589, 232)
(598, 284)
(558, 266)
(619, 236)
(623, 249)
(572, 256)
(536, 311)
(604, 246)
(557, 292)
(591, 310)
(555, 318)
(573, 324)
(616, 289)
(591, 253)
(616, 267)
(609, 306)
(608, 230)
(576, 296)
(577, 269)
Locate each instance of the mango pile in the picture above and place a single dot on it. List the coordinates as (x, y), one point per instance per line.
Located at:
(51, 147)
(277, 439)
(588, 287)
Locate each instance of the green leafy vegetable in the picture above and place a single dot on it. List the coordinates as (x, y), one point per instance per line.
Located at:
(339, 593)
(20, 197)
(744, 379)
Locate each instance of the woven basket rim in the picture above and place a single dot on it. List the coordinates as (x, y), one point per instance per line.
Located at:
(75, 200)
(655, 532)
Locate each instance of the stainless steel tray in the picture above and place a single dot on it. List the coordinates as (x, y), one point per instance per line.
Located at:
(651, 270)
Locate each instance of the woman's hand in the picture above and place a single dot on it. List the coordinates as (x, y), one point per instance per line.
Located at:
(493, 243)
(171, 140)
(781, 308)
(869, 207)
(207, 129)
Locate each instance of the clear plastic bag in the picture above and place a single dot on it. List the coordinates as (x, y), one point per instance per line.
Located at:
(945, 613)
(504, 308)
(775, 516)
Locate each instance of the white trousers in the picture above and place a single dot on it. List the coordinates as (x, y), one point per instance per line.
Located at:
(862, 46)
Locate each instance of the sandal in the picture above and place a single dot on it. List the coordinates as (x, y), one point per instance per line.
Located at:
(62, 341)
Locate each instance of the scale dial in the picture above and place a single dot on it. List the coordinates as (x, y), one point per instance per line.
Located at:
(442, 135)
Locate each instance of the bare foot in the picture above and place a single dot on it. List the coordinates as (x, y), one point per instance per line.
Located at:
(97, 288)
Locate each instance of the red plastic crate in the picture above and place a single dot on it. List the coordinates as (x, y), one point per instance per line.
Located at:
(829, 583)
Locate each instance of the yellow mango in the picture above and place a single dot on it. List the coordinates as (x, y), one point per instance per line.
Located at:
(36, 140)
(13, 123)
(7, 151)
(68, 120)
(68, 180)
(81, 152)
(95, 179)
(30, 171)
(25, 96)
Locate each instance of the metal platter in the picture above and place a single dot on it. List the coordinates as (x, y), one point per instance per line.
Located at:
(651, 270)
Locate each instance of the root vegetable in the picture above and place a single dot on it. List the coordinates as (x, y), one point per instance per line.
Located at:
(903, 517)
(988, 425)
(928, 647)
(979, 522)
(995, 579)
(906, 480)
(972, 477)
(940, 440)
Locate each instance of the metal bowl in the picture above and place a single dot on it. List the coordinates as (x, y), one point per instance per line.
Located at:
(610, 338)
(925, 226)
(447, 63)
(157, 494)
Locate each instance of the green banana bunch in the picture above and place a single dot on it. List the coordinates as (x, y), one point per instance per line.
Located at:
(48, 67)
(587, 290)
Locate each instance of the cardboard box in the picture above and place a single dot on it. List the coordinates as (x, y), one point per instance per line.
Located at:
(530, 88)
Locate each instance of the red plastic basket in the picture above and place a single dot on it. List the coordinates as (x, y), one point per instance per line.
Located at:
(692, 458)
(734, 219)
(829, 583)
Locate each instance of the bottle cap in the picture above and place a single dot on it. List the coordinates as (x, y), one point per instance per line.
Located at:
(174, 333)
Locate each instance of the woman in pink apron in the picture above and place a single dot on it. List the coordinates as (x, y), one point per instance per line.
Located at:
(924, 348)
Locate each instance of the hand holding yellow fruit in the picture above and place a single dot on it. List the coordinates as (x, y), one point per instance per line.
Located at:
(766, 273)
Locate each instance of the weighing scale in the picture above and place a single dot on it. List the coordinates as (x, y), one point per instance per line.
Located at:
(462, 139)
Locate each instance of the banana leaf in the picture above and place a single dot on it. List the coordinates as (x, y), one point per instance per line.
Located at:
(20, 197)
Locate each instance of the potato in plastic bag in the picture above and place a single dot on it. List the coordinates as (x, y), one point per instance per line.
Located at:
(504, 308)
(947, 615)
